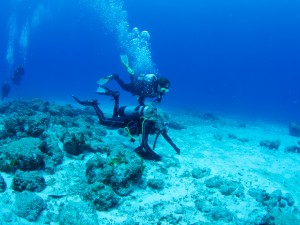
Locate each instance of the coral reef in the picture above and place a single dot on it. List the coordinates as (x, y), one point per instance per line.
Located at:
(28, 205)
(157, 184)
(293, 148)
(77, 213)
(199, 173)
(270, 144)
(120, 170)
(29, 180)
(24, 154)
(101, 196)
(58, 165)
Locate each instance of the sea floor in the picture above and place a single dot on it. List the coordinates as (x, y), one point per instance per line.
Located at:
(227, 173)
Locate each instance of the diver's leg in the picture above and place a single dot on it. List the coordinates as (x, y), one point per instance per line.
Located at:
(110, 122)
(123, 85)
(100, 115)
(94, 104)
(113, 122)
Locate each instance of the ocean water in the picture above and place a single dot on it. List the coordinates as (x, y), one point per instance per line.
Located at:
(234, 68)
(235, 57)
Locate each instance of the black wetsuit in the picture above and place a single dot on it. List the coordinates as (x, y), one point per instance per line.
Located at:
(142, 87)
(136, 126)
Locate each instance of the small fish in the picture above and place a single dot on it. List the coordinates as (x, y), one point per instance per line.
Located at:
(5, 89)
(57, 195)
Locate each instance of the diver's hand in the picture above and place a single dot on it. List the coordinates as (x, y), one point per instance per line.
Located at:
(177, 150)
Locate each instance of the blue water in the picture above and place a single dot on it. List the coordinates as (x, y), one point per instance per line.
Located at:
(226, 56)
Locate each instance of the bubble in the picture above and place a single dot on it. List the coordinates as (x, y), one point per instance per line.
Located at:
(22, 35)
(136, 31)
(37, 14)
(134, 44)
(12, 32)
(10, 54)
(23, 42)
(145, 35)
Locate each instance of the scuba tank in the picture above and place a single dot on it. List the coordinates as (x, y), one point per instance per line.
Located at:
(137, 111)
(148, 78)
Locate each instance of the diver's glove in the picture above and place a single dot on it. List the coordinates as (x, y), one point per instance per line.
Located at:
(177, 150)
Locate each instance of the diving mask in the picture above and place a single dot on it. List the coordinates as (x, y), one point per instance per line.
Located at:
(163, 89)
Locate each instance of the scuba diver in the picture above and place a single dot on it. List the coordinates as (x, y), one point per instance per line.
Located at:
(5, 89)
(17, 75)
(135, 120)
(143, 85)
(16, 79)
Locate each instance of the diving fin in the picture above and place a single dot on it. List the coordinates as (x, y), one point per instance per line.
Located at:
(105, 80)
(102, 90)
(125, 62)
(106, 91)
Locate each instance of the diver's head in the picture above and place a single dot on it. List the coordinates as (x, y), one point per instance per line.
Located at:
(160, 118)
(163, 85)
(150, 113)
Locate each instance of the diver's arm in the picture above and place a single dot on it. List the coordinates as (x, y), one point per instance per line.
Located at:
(159, 98)
(169, 140)
(141, 100)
